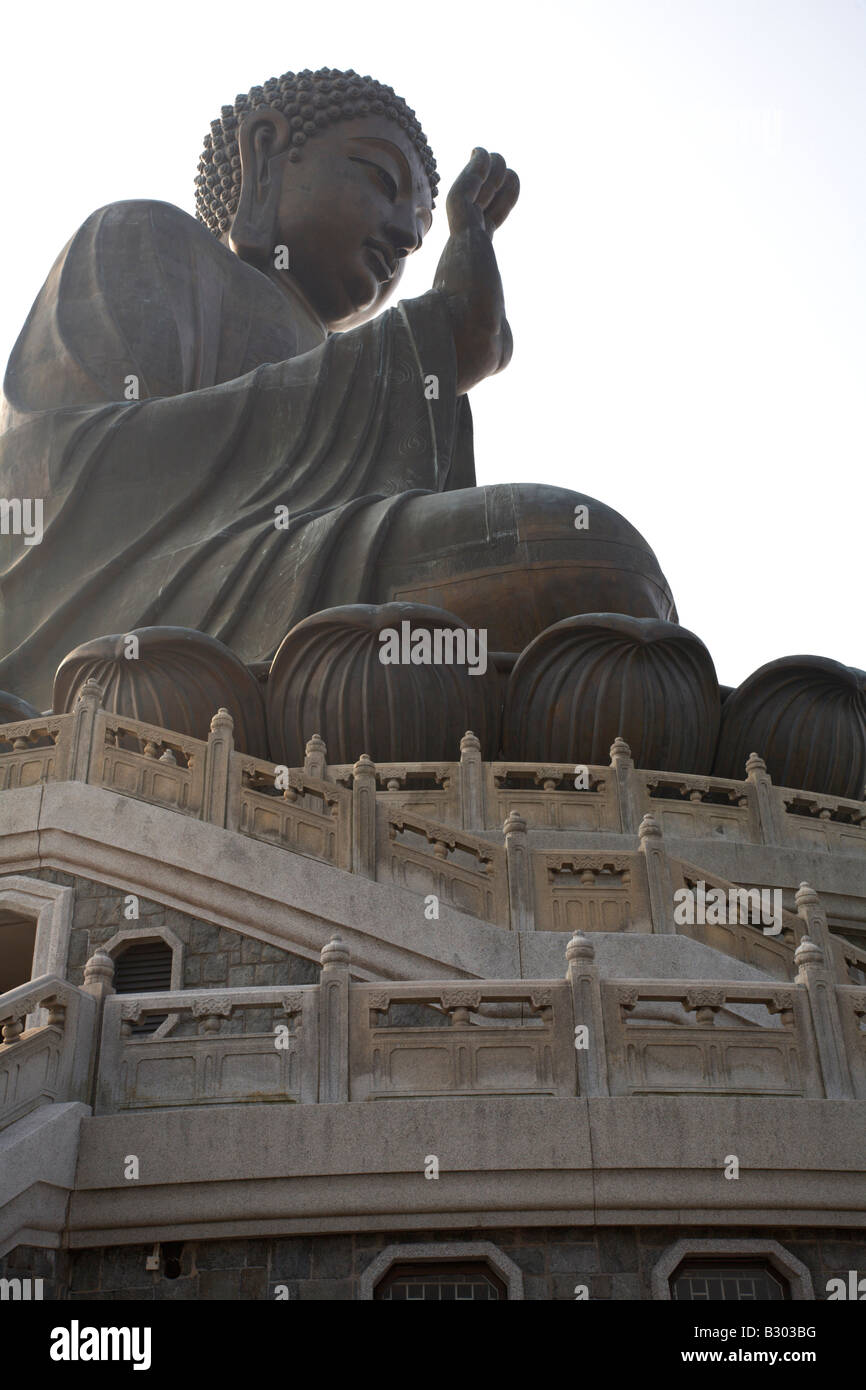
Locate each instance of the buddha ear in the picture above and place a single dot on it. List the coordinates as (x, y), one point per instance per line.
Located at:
(263, 136)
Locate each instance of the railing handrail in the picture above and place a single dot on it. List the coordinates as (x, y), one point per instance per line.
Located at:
(734, 991)
(185, 1000)
(152, 733)
(448, 767)
(298, 779)
(41, 724)
(689, 870)
(399, 991)
(44, 987)
(468, 840)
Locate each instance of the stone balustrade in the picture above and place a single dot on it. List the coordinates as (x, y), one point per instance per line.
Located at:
(590, 891)
(477, 835)
(667, 1038)
(48, 1030)
(770, 953)
(852, 1015)
(341, 1040)
(423, 789)
(490, 1037)
(307, 815)
(813, 821)
(211, 1047)
(545, 795)
(35, 750)
(148, 763)
(211, 781)
(429, 857)
(697, 807)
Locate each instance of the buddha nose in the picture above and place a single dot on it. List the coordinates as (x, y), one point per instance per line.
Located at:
(403, 234)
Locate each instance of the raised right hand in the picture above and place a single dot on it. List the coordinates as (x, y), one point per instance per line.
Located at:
(467, 275)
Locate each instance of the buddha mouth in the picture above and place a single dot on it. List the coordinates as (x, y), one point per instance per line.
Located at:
(381, 257)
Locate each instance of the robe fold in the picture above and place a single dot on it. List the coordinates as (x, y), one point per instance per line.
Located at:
(161, 510)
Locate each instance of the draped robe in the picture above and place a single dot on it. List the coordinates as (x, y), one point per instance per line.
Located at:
(161, 510)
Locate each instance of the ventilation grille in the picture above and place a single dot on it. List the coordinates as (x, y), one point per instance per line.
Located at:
(144, 969)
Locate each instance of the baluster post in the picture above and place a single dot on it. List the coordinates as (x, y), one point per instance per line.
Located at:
(811, 911)
(652, 847)
(763, 797)
(84, 715)
(99, 984)
(217, 763)
(364, 817)
(316, 758)
(471, 785)
(623, 767)
(518, 860)
(334, 1023)
(826, 1023)
(590, 1049)
(99, 976)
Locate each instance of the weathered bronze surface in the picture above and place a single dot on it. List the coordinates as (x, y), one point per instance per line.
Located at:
(328, 676)
(806, 716)
(162, 510)
(171, 677)
(588, 679)
(12, 709)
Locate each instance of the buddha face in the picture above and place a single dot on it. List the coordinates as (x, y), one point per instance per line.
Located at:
(349, 212)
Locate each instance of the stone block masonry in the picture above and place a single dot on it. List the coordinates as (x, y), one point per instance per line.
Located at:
(615, 1263)
(213, 956)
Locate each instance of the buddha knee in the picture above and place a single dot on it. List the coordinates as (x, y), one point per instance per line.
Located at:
(516, 557)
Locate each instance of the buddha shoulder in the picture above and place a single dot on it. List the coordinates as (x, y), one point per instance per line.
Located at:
(138, 236)
(144, 285)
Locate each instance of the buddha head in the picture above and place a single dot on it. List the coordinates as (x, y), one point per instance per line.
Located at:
(325, 182)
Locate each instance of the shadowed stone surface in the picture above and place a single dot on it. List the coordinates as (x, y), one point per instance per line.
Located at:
(212, 955)
(614, 1262)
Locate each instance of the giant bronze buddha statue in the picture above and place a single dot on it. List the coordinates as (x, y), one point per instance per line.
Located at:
(241, 457)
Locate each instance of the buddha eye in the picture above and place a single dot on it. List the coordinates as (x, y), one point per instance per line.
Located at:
(383, 178)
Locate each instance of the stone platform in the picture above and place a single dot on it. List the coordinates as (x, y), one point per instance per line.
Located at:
(376, 965)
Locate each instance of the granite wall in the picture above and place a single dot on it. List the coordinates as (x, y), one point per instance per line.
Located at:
(214, 957)
(615, 1263)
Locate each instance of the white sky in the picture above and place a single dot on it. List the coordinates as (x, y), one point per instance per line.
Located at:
(685, 272)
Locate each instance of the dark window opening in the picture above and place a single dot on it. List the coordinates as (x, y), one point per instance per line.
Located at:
(172, 1254)
(17, 939)
(730, 1281)
(462, 1282)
